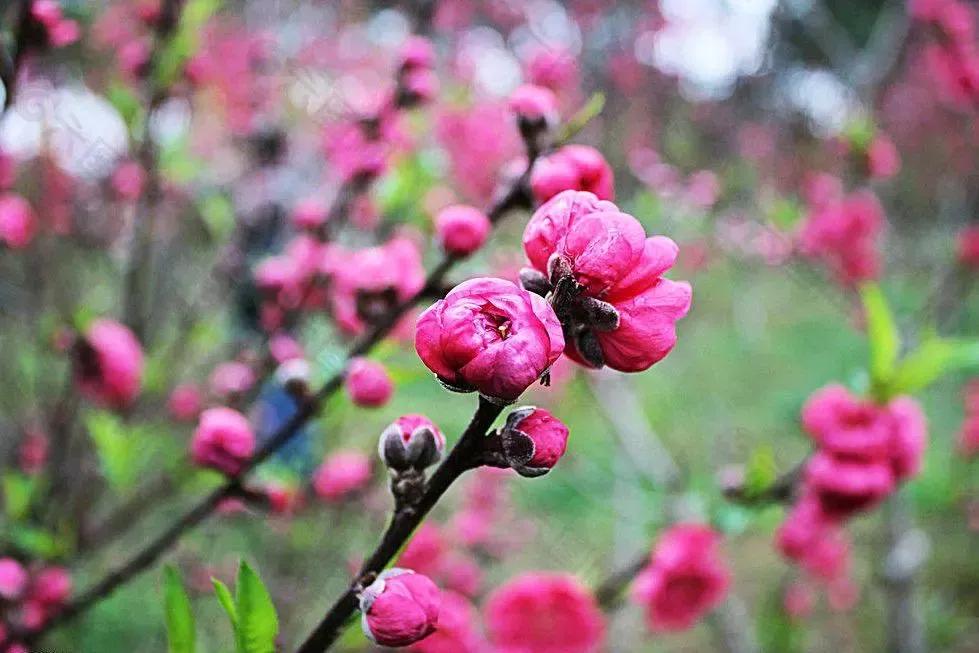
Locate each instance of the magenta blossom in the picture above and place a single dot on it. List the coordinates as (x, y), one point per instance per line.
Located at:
(626, 312)
(846, 486)
(13, 579)
(128, 180)
(17, 221)
(231, 379)
(399, 608)
(341, 475)
(534, 104)
(223, 440)
(968, 247)
(109, 364)
(489, 335)
(542, 612)
(574, 167)
(533, 440)
(685, 579)
(51, 586)
(844, 235)
(461, 230)
(309, 214)
(368, 383)
(184, 403)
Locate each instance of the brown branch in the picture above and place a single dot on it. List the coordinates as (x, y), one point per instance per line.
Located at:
(404, 522)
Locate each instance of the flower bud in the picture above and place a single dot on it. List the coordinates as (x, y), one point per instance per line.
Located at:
(128, 180)
(411, 442)
(534, 106)
(51, 587)
(223, 440)
(533, 441)
(417, 52)
(461, 230)
(573, 167)
(294, 376)
(109, 364)
(368, 383)
(13, 579)
(309, 214)
(184, 402)
(399, 608)
(341, 475)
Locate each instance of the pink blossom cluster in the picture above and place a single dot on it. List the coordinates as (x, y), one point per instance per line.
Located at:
(60, 31)
(108, 364)
(864, 451)
(437, 553)
(31, 596)
(843, 232)
(953, 60)
(686, 577)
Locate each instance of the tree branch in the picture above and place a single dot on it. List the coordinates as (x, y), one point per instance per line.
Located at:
(403, 524)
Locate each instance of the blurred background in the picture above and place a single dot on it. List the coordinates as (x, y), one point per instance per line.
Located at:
(163, 171)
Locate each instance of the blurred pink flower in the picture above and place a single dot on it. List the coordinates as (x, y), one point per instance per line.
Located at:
(109, 364)
(341, 475)
(223, 440)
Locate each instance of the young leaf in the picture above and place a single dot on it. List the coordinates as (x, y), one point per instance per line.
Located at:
(227, 602)
(882, 333)
(257, 622)
(579, 120)
(935, 357)
(180, 618)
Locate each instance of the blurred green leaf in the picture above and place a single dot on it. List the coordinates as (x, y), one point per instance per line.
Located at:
(181, 634)
(116, 448)
(785, 213)
(935, 357)
(860, 133)
(184, 42)
(257, 622)
(227, 602)
(218, 214)
(17, 492)
(36, 541)
(760, 472)
(883, 336)
(127, 104)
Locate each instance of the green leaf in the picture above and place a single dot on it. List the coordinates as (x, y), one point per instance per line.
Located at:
(117, 449)
(760, 471)
(785, 213)
(127, 104)
(180, 618)
(227, 602)
(935, 357)
(218, 214)
(882, 332)
(257, 622)
(36, 541)
(582, 117)
(17, 491)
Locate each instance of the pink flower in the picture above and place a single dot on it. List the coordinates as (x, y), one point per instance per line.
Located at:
(309, 214)
(419, 85)
(541, 612)
(369, 282)
(845, 486)
(968, 246)
(353, 154)
(284, 348)
(534, 104)
(184, 403)
(477, 146)
(411, 441)
(461, 230)
(573, 167)
(883, 160)
(552, 67)
(425, 550)
(127, 180)
(17, 221)
(51, 586)
(533, 440)
(456, 630)
(844, 236)
(368, 383)
(13, 579)
(33, 452)
(231, 379)
(109, 364)
(969, 436)
(798, 601)
(399, 608)
(685, 579)
(223, 440)
(489, 335)
(341, 475)
(626, 315)
(417, 52)
(909, 437)
(804, 525)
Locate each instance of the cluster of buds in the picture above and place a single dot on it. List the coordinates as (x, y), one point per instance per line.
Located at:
(411, 444)
(28, 598)
(417, 81)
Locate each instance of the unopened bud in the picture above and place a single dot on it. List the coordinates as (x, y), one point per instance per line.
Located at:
(411, 442)
(533, 441)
